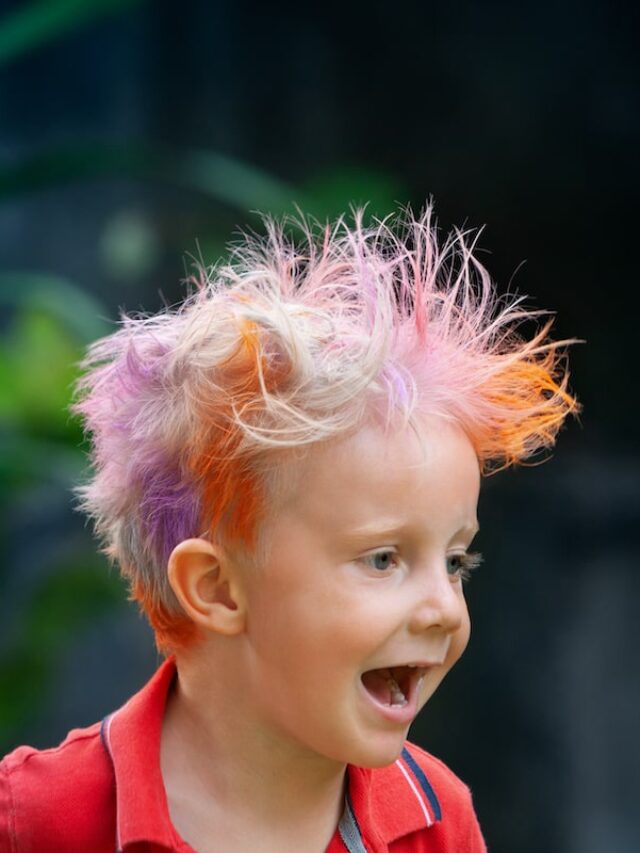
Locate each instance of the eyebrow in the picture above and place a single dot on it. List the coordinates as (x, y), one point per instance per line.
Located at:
(394, 529)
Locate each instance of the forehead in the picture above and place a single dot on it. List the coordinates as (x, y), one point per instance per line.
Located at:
(427, 470)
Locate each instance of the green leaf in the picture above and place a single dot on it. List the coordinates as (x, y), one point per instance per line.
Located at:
(38, 370)
(67, 601)
(23, 678)
(234, 182)
(70, 599)
(26, 460)
(72, 163)
(79, 313)
(224, 179)
(330, 194)
(32, 25)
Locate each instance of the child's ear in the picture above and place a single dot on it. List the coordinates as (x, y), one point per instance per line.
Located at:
(207, 585)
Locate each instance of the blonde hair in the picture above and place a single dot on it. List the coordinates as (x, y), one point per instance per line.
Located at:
(288, 345)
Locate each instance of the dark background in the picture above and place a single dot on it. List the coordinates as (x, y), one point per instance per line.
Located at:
(134, 134)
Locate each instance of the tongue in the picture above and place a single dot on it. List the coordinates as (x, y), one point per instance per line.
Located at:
(381, 684)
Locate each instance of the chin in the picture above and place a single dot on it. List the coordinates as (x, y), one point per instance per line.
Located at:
(374, 755)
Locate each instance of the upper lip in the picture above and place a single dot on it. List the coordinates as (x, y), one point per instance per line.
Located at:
(414, 664)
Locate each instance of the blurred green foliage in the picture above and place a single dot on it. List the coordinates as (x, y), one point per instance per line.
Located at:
(67, 601)
(49, 323)
(33, 24)
(225, 179)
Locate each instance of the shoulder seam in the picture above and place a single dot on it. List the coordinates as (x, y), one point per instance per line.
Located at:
(45, 752)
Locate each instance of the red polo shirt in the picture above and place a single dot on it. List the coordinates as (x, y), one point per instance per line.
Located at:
(101, 790)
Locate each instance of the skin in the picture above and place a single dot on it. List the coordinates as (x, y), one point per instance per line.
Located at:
(361, 573)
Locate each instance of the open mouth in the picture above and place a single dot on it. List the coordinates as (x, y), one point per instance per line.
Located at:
(394, 686)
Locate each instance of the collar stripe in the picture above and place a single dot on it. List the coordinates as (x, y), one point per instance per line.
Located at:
(416, 793)
(349, 829)
(424, 783)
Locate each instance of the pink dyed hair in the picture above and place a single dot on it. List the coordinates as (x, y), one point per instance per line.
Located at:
(287, 346)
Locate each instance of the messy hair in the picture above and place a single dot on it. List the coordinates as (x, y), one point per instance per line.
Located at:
(287, 344)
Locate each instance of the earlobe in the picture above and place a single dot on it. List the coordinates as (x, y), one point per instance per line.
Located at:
(206, 583)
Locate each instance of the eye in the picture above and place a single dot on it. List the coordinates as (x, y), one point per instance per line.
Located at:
(381, 561)
(460, 566)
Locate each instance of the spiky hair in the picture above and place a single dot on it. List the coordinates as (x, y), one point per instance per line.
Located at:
(290, 344)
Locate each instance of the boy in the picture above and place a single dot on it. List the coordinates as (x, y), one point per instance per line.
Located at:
(287, 471)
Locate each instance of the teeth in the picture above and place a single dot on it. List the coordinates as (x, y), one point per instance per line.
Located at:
(398, 699)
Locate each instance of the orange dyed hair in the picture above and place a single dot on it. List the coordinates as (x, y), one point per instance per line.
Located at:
(287, 346)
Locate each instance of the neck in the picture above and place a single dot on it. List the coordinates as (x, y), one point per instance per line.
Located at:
(223, 765)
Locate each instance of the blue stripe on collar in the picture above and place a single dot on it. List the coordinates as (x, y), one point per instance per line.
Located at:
(423, 781)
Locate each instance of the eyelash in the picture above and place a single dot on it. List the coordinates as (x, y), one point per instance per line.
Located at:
(468, 562)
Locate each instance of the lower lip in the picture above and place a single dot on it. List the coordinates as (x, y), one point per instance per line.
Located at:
(399, 714)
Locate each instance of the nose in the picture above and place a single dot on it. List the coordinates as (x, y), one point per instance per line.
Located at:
(439, 604)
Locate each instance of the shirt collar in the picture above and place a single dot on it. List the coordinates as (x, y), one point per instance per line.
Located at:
(132, 738)
(390, 802)
(387, 803)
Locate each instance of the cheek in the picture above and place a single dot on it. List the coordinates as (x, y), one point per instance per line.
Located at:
(460, 639)
(289, 608)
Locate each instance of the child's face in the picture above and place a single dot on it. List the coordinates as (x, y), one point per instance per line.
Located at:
(361, 576)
